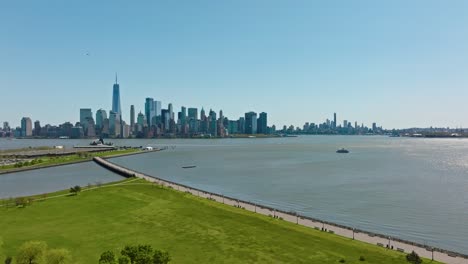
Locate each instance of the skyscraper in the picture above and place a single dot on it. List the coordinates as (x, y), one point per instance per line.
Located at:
(132, 118)
(149, 110)
(114, 124)
(85, 114)
(116, 98)
(251, 123)
(171, 111)
(37, 128)
(100, 116)
(334, 120)
(183, 116)
(193, 113)
(26, 127)
(262, 127)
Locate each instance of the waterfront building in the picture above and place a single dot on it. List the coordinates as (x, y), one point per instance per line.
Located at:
(77, 132)
(241, 125)
(6, 126)
(141, 119)
(37, 128)
(183, 115)
(90, 131)
(345, 123)
(251, 123)
(105, 128)
(171, 111)
(85, 113)
(116, 108)
(374, 127)
(193, 113)
(262, 127)
(165, 119)
(114, 124)
(233, 127)
(149, 110)
(125, 130)
(334, 120)
(100, 116)
(26, 127)
(157, 109)
(132, 117)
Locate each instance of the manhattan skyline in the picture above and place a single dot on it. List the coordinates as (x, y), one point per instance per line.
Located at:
(399, 64)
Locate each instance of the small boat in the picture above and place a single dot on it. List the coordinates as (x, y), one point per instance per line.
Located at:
(342, 150)
(189, 167)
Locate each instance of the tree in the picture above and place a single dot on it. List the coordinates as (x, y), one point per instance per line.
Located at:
(58, 256)
(140, 254)
(75, 190)
(107, 257)
(161, 257)
(31, 252)
(8, 260)
(124, 260)
(414, 258)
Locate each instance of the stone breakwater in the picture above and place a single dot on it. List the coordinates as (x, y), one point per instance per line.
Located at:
(391, 243)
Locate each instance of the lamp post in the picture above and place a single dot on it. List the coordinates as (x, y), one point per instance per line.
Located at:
(353, 233)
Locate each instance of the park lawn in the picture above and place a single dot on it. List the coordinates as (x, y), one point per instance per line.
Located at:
(192, 229)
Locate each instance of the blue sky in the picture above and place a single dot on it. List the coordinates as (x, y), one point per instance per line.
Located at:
(398, 63)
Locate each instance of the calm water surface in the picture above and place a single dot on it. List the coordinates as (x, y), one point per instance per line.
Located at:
(412, 188)
(53, 179)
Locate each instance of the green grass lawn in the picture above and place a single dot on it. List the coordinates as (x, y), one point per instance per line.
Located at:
(193, 230)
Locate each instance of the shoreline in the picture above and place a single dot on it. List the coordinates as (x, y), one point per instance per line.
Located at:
(392, 243)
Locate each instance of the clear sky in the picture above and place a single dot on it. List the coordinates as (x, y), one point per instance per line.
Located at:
(399, 63)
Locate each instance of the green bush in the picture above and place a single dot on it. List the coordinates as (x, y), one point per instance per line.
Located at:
(361, 258)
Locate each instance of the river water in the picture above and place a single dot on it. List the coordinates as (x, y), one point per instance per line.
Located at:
(412, 188)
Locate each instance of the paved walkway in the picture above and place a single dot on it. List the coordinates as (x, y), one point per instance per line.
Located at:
(297, 219)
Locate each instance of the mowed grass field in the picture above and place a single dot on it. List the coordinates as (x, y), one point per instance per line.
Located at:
(192, 229)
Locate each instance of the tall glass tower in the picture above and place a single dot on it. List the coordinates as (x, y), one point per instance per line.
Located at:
(116, 98)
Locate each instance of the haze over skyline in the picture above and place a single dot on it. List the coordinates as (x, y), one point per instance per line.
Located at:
(400, 64)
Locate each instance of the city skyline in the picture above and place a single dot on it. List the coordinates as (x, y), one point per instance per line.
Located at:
(400, 64)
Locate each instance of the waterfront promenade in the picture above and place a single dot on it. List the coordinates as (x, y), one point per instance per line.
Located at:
(377, 239)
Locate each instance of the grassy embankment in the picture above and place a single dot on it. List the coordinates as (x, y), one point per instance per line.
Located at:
(45, 161)
(192, 229)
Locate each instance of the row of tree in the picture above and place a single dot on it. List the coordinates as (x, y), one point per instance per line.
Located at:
(139, 254)
(37, 252)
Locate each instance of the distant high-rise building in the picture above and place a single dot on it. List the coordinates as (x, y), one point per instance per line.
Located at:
(262, 126)
(374, 127)
(100, 116)
(241, 125)
(251, 123)
(193, 113)
(114, 124)
(171, 111)
(6, 126)
(37, 128)
(26, 127)
(141, 119)
(90, 127)
(116, 108)
(202, 114)
(157, 108)
(165, 118)
(345, 123)
(334, 120)
(183, 115)
(132, 117)
(84, 114)
(149, 110)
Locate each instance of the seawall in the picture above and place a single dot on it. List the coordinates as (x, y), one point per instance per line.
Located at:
(392, 243)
